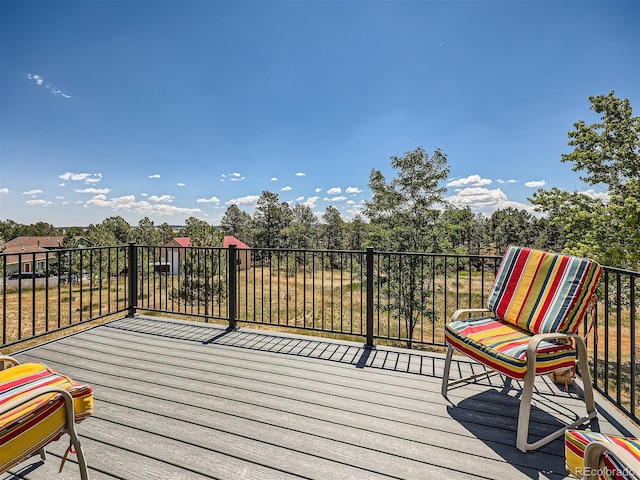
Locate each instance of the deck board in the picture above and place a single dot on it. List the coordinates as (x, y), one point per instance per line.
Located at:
(176, 399)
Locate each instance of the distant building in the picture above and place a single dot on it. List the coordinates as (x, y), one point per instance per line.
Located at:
(244, 251)
(31, 254)
(172, 255)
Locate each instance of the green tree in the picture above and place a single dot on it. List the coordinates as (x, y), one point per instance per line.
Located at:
(511, 226)
(603, 227)
(204, 278)
(269, 220)
(237, 223)
(301, 231)
(356, 234)
(146, 233)
(165, 231)
(404, 215)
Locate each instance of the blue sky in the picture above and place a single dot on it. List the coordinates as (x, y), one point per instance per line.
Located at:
(170, 109)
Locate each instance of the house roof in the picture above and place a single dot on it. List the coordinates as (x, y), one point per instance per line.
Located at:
(34, 242)
(181, 241)
(16, 254)
(29, 244)
(231, 240)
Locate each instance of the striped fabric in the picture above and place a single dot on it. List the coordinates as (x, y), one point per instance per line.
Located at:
(609, 468)
(543, 292)
(26, 429)
(503, 347)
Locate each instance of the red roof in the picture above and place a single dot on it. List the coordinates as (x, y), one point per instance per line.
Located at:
(183, 241)
(231, 240)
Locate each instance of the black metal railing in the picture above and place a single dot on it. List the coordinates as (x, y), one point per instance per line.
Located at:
(46, 292)
(401, 299)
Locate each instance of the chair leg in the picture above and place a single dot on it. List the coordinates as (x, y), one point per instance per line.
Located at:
(71, 431)
(525, 411)
(447, 368)
(527, 394)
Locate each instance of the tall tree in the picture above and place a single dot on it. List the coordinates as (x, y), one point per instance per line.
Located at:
(603, 227)
(404, 214)
(404, 211)
(356, 234)
(237, 223)
(269, 219)
(302, 229)
(146, 233)
(166, 233)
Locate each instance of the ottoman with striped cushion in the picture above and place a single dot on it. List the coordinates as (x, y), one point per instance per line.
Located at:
(611, 457)
(35, 406)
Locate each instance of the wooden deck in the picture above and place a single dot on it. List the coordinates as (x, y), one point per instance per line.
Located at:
(179, 400)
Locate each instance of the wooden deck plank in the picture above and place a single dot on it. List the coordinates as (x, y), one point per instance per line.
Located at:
(191, 400)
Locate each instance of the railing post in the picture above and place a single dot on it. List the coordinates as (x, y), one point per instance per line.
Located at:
(369, 343)
(232, 287)
(132, 277)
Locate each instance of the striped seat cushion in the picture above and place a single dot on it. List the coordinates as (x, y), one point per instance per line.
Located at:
(26, 429)
(543, 292)
(575, 443)
(503, 347)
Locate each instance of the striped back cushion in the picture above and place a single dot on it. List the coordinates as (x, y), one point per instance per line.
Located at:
(543, 292)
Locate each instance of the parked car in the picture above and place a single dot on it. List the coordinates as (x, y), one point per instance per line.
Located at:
(18, 275)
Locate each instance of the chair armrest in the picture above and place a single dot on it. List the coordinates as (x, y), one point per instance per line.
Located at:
(7, 359)
(596, 449)
(461, 311)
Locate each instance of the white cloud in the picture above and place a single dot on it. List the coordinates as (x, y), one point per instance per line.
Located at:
(180, 184)
(506, 181)
(300, 174)
(286, 189)
(4, 190)
(310, 202)
(603, 196)
(334, 190)
(161, 199)
(154, 175)
(40, 81)
(248, 200)
(32, 192)
(485, 201)
(36, 78)
(274, 179)
(215, 200)
(318, 190)
(234, 177)
(93, 190)
(335, 199)
(88, 178)
(129, 203)
(38, 203)
(353, 190)
(470, 181)
(535, 184)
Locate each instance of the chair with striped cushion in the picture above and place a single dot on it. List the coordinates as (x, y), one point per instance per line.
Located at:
(37, 406)
(530, 326)
(594, 456)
